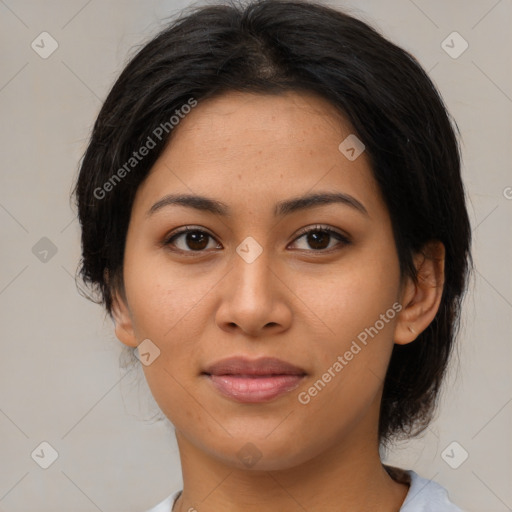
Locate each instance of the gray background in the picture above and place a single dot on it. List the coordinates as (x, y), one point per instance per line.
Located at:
(60, 379)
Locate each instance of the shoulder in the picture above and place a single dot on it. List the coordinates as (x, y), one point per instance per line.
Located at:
(166, 504)
(426, 496)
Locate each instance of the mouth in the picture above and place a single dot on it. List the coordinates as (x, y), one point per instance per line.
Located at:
(254, 381)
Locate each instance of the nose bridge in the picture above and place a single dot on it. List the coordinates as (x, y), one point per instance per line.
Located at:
(248, 297)
(252, 269)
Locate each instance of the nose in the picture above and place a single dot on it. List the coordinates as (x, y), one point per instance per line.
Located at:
(254, 297)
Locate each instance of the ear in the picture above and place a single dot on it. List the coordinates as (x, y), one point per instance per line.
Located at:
(123, 320)
(420, 300)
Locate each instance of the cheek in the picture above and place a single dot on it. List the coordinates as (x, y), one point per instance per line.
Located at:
(353, 354)
(166, 308)
(354, 295)
(355, 306)
(163, 300)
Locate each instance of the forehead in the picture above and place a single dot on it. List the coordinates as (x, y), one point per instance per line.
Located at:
(259, 147)
(260, 123)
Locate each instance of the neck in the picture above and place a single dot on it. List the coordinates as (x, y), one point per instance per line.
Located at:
(346, 477)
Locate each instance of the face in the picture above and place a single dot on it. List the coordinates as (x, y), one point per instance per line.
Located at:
(314, 284)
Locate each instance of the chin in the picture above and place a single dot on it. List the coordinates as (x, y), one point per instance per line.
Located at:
(249, 453)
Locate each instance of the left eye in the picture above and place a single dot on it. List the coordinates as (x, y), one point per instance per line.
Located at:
(196, 240)
(318, 236)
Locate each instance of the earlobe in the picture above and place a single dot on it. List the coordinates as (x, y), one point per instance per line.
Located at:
(123, 321)
(421, 298)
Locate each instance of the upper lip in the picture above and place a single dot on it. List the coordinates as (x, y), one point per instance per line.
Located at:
(246, 366)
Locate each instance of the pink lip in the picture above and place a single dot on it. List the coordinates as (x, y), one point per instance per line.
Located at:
(253, 381)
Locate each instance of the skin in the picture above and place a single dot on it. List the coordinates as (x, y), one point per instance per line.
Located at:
(299, 303)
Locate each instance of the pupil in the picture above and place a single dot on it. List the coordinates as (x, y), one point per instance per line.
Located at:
(316, 238)
(194, 242)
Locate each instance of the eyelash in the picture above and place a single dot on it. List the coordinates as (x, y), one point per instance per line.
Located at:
(343, 239)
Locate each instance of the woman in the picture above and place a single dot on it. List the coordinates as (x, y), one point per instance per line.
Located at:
(272, 213)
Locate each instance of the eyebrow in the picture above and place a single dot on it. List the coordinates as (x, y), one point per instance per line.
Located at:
(282, 208)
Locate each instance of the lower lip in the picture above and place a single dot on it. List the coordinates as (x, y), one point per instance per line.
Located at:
(254, 389)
